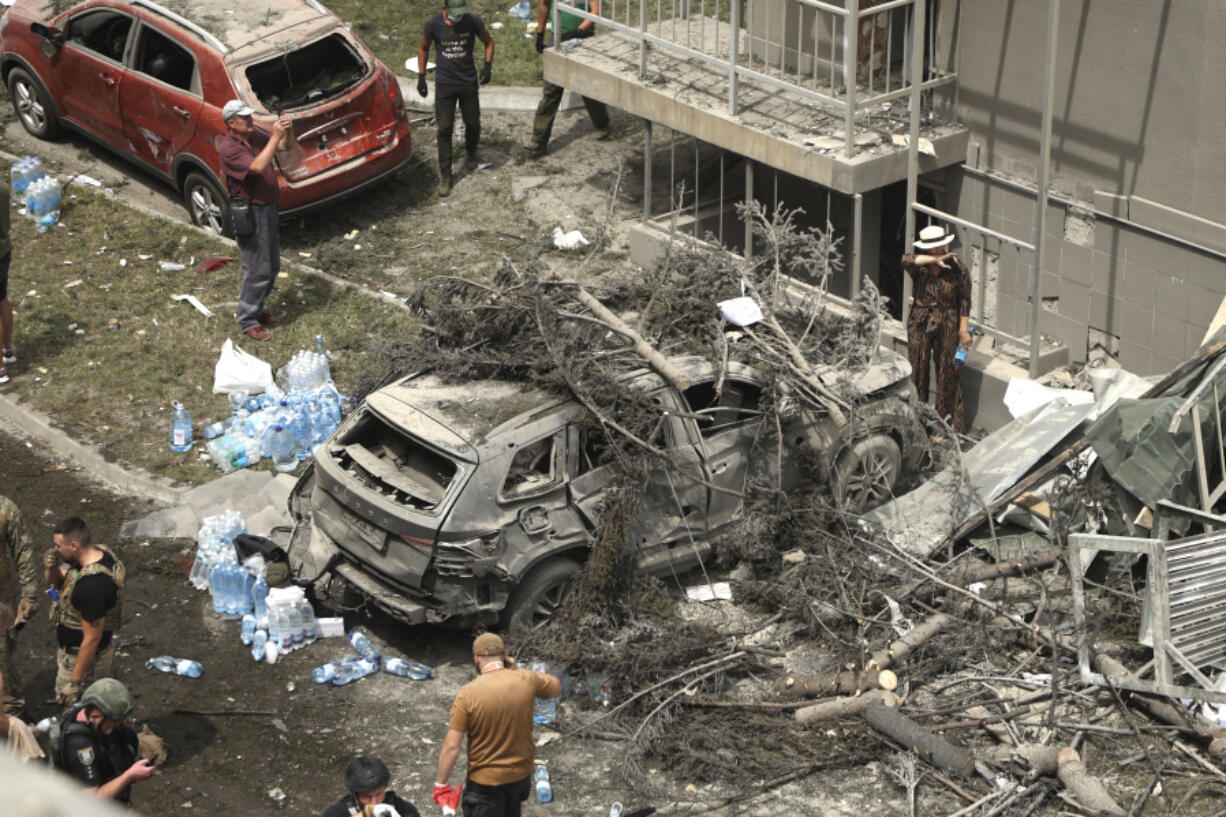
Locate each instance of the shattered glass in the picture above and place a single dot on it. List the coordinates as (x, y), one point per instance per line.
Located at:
(315, 72)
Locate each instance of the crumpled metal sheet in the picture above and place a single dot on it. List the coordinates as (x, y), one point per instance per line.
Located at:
(1139, 453)
(921, 521)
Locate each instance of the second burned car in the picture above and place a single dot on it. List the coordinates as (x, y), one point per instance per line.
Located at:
(478, 502)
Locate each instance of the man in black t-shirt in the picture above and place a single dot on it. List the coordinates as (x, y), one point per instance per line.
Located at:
(91, 742)
(453, 32)
(90, 583)
(367, 779)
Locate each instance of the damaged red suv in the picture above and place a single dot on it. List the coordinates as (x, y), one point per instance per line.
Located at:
(149, 81)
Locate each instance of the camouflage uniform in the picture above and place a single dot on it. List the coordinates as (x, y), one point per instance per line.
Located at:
(18, 581)
(65, 615)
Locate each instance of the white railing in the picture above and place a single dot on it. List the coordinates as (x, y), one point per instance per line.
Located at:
(843, 58)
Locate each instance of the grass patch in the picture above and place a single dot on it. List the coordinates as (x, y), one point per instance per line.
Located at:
(392, 30)
(104, 348)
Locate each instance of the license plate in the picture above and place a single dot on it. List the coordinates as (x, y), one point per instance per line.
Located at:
(371, 534)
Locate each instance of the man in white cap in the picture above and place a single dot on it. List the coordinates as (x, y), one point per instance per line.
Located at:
(251, 181)
(495, 712)
(938, 322)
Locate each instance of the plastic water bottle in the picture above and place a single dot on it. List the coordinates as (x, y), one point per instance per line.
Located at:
(521, 10)
(297, 626)
(362, 644)
(217, 588)
(281, 449)
(180, 428)
(214, 430)
(259, 643)
(300, 427)
(351, 672)
(307, 614)
(408, 669)
(321, 348)
(615, 810)
(544, 791)
(259, 598)
(248, 632)
(959, 356)
(175, 666)
(324, 674)
(245, 582)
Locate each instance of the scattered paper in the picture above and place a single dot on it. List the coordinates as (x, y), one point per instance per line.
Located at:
(743, 311)
(901, 625)
(90, 180)
(925, 145)
(194, 301)
(411, 65)
(709, 592)
(568, 241)
(484, 165)
(495, 26)
(352, 234)
(171, 266)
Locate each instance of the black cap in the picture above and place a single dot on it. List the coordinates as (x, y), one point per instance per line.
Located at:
(365, 774)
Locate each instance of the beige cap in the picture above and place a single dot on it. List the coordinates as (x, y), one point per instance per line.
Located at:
(488, 644)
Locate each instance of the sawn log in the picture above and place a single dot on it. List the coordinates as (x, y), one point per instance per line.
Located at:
(845, 707)
(929, 746)
(1086, 789)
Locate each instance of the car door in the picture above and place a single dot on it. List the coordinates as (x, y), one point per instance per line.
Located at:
(88, 71)
(729, 424)
(160, 98)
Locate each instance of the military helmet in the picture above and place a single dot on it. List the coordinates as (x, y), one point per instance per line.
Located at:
(110, 697)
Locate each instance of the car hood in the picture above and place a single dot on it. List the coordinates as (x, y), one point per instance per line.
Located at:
(887, 368)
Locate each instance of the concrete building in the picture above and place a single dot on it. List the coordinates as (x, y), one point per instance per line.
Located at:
(750, 100)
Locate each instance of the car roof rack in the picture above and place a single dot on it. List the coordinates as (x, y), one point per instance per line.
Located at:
(184, 22)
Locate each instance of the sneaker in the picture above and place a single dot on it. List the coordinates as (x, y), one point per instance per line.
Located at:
(10, 356)
(269, 320)
(470, 162)
(604, 134)
(257, 333)
(4, 375)
(535, 151)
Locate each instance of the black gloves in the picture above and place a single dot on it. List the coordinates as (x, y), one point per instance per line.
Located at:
(540, 42)
(421, 85)
(486, 72)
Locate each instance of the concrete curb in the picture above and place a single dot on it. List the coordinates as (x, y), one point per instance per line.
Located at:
(32, 423)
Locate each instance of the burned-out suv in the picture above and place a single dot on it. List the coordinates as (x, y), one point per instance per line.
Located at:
(477, 503)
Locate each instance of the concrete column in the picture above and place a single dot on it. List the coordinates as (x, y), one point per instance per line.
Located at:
(869, 240)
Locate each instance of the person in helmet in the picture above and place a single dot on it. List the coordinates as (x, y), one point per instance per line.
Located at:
(96, 747)
(367, 779)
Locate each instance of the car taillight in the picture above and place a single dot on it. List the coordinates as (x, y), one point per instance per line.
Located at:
(425, 546)
(394, 95)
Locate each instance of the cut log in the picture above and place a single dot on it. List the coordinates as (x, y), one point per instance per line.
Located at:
(659, 362)
(845, 707)
(929, 746)
(1018, 567)
(875, 675)
(1086, 789)
(845, 682)
(1193, 723)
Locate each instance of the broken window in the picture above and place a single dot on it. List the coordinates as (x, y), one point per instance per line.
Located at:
(736, 403)
(310, 74)
(164, 59)
(103, 32)
(532, 468)
(393, 464)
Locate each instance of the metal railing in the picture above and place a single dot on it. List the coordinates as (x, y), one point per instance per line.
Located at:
(841, 58)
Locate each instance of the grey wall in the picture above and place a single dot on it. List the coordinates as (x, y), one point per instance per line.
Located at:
(1138, 119)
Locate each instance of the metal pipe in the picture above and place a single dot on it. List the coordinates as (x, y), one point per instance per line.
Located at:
(733, 46)
(851, 38)
(952, 219)
(748, 204)
(642, 39)
(1040, 230)
(647, 162)
(856, 252)
(917, 51)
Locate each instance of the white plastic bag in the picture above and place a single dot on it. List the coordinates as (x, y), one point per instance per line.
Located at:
(742, 311)
(237, 369)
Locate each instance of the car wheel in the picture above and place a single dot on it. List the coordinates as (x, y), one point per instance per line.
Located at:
(206, 203)
(30, 102)
(539, 595)
(865, 474)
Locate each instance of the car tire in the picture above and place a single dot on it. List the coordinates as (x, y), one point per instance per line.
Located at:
(207, 204)
(32, 106)
(539, 595)
(865, 474)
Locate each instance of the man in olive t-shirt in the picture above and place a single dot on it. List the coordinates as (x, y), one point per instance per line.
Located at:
(495, 711)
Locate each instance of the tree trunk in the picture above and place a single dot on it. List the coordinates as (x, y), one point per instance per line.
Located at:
(1041, 761)
(1087, 790)
(930, 747)
(845, 707)
(645, 350)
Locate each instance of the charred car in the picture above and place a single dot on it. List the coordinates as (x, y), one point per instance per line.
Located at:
(149, 81)
(478, 503)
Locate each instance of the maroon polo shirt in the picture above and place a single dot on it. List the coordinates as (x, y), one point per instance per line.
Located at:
(236, 158)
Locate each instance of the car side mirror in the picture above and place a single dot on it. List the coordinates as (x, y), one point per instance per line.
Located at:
(52, 38)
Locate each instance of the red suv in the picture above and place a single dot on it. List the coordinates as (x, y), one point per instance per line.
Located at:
(150, 83)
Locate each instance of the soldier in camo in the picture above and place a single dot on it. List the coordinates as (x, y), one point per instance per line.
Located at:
(18, 594)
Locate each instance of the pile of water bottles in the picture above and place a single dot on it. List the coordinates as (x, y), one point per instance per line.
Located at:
(367, 662)
(40, 192)
(285, 426)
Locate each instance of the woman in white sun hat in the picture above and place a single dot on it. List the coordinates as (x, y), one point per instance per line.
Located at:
(940, 310)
